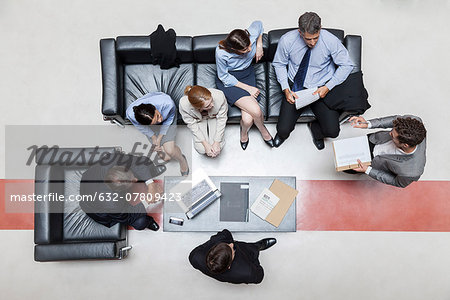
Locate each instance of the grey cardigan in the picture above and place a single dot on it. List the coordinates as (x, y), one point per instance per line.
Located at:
(393, 169)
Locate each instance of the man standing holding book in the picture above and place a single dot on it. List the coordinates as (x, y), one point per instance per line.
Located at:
(399, 154)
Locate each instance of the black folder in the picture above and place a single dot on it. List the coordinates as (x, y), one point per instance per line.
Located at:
(234, 201)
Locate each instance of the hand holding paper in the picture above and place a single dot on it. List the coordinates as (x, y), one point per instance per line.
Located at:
(306, 97)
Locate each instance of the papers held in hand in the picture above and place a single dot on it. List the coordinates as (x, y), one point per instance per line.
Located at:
(348, 151)
(306, 97)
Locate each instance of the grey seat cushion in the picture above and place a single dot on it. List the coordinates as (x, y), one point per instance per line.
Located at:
(142, 79)
(77, 226)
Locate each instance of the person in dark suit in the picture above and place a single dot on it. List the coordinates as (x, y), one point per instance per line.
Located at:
(227, 260)
(105, 186)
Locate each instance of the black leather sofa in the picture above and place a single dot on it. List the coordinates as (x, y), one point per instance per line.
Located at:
(127, 73)
(62, 231)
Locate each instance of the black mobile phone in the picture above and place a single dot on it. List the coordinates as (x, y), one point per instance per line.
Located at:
(176, 221)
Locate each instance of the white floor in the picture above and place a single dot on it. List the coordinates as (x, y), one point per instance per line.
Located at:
(50, 75)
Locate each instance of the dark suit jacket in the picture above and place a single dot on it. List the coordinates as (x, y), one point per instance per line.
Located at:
(163, 49)
(245, 267)
(350, 95)
(112, 212)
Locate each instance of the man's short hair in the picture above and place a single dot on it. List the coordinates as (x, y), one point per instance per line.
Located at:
(309, 22)
(144, 113)
(119, 178)
(410, 131)
(219, 258)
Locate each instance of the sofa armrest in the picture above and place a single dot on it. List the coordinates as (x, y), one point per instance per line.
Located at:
(112, 97)
(74, 251)
(353, 43)
(48, 215)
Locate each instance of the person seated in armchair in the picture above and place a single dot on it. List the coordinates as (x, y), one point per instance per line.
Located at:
(205, 113)
(227, 260)
(157, 108)
(107, 183)
(398, 155)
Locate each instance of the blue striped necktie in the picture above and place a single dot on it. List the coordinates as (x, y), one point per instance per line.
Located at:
(299, 78)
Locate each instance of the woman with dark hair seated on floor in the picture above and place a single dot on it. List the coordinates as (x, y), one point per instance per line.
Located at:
(236, 77)
(205, 113)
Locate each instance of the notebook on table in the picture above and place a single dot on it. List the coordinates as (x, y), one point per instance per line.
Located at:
(234, 202)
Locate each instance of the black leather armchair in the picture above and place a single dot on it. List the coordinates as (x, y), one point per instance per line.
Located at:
(62, 231)
(127, 72)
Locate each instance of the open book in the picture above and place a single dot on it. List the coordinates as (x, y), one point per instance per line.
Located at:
(306, 97)
(348, 151)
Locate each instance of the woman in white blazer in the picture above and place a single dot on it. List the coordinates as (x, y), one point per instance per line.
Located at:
(205, 113)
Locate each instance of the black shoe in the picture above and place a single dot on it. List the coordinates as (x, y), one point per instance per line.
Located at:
(277, 141)
(153, 225)
(159, 169)
(185, 173)
(319, 143)
(266, 243)
(243, 144)
(270, 143)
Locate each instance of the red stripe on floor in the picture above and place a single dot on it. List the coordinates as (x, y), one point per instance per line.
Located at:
(325, 205)
(9, 220)
(371, 206)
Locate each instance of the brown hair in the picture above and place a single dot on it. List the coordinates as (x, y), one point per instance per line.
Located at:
(219, 258)
(119, 178)
(197, 95)
(309, 22)
(410, 131)
(236, 41)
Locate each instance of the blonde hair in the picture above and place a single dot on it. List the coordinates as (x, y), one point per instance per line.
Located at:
(197, 95)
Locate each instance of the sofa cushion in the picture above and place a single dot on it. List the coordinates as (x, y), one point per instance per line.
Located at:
(353, 43)
(137, 49)
(142, 79)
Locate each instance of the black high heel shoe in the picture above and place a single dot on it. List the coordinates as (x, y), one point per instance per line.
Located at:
(243, 144)
(270, 143)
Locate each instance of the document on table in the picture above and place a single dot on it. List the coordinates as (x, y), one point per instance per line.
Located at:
(264, 204)
(348, 151)
(306, 97)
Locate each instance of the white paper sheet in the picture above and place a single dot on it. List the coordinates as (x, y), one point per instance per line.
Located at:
(348, 151)
(264, 204)
(306, 97)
